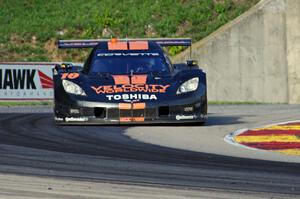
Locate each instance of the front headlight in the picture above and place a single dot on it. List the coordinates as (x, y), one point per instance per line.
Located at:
(188, 86)
(72, 88)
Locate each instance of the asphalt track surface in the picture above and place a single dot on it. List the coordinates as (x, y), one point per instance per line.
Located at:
(39, 159)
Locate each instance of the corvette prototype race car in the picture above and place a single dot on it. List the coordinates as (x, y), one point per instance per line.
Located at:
(129, 81)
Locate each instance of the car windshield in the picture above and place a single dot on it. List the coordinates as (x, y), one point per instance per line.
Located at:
(117, 63)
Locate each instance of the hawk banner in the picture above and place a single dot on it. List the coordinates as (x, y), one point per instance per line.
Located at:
(26, 81)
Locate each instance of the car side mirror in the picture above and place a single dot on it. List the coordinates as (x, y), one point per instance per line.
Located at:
(63, 68)
(66, 66)
(191, 63)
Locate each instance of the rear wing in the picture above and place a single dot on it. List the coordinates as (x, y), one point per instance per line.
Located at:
(92, 43)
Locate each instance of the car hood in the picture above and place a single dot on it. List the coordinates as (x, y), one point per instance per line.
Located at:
(129, 88)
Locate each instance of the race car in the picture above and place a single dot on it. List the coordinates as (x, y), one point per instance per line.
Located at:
(125, 81)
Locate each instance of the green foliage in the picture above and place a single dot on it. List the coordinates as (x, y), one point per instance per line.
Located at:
(77, 19)
(175, 50)
(26, 103)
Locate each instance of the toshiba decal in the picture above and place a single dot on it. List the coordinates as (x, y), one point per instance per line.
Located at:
(26, 81)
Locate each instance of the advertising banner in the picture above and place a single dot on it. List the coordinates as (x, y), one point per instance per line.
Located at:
(26, 81)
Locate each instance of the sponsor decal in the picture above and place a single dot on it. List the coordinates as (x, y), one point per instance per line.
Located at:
(26, 81)
(117, 45)
(185, 117)
(132, 97)
(69, 75)
(59, 119)
(132, 119)
(138, 45)
(129, 116)
(137, 106)
(125, 79)
(283, 138)
(125, 106)
(76, 119)
(132, 88)
(134, 45)
(134, 85)
(121, 79)
(139, 79)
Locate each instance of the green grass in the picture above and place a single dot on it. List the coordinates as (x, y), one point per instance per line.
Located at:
(29, 103)
(26, 26)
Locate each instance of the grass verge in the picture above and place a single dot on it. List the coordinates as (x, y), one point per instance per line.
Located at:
(30, 28)
(26, 103)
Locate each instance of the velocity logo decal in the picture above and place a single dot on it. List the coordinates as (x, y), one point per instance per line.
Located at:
(135, 85)
(152, 88)
(282, 138)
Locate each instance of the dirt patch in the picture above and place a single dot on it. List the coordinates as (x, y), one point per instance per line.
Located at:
(183, 27)
(52, 51)
(16, 39)
(59, 55)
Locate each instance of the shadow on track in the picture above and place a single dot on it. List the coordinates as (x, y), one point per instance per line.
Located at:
(148, 162)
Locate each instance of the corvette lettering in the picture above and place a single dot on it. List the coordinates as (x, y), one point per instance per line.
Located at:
(132, 97)
(127, 54)
(130, 88)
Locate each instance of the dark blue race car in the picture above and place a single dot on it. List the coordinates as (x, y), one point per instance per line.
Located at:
(129, 81)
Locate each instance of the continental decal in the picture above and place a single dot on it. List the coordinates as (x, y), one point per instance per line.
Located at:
(130, 88)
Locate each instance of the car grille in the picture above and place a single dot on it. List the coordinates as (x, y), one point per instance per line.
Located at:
(115, 113)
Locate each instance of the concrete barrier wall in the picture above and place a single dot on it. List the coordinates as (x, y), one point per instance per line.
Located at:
(254, 58)
(293, 49)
